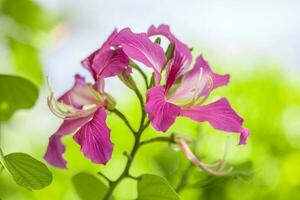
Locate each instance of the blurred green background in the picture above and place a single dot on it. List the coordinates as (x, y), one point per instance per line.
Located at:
(264, 92)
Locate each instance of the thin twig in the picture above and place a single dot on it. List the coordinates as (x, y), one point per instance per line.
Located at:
(135, 66)
(105, 177)
(123, 117)
(143, 117)
(158, 139)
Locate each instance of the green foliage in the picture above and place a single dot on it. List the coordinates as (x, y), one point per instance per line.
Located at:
(152, 187)
(27, 13)
(26, 60)
(27, 171)
(25, 22)
(88, 187)
(170, 171)
(16, 93)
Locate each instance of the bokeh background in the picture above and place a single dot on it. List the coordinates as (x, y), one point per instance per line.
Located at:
(257, 42)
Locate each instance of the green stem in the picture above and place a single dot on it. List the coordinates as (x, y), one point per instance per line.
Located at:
(143, 117)
(123, 117)
(135, 66)
(125, 173)
(158, 139)
(105, 177)
(137, 138)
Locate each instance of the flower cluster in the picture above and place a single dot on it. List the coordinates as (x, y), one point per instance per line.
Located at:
(181, 92)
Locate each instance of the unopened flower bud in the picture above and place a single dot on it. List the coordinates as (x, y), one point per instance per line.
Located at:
(127, 79)
(158, 40)
(170, 51)
(111, 102)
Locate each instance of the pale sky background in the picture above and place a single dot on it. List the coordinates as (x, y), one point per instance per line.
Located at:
(232, 34)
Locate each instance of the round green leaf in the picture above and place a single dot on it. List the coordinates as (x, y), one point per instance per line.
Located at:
(88, 187)
(15, 93)
(152, 187)
(27, 171)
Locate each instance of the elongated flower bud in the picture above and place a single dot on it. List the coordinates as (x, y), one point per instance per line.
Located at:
(127, 79)
(111, 102)
(158, 40)
(170, 51)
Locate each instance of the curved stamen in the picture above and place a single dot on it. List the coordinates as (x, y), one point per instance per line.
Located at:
(70, 114)
(206, 167)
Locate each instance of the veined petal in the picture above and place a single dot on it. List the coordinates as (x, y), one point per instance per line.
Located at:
(162, 114)
(139, 47)
(173, 70)
(220, 115)
(180, 47)
(56, 149)
(109, 63)
(88, 62)
(199, 81)
(94, 138)
(182, 56)
(79, 94)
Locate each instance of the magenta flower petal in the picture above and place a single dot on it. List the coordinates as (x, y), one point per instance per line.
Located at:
(180, 47)
(106, 62)
(199, 81)
(88, 62)
(182, 56)
(139, 47)
(162, 114)
(56, 149)
(94, 138)
(173, 70)
(79, 94)
(220, 115)
(244, 135)
(109, 63)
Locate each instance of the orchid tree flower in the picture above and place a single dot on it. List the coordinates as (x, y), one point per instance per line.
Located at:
(139, 47)
(107, 61)
(185, 91)
(83, 110)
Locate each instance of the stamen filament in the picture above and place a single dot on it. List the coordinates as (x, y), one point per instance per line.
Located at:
(204, 166)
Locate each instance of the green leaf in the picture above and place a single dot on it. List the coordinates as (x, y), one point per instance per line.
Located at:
(152, 187)
(26, 60)
(27, 171)
(15, 93)
(27, 13)
(88, 187)
(162, 162)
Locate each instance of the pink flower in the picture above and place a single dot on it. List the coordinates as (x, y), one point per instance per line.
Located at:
(164, 102)
(139, 47)
(112, 58)
(85, 115)
(107, 61)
